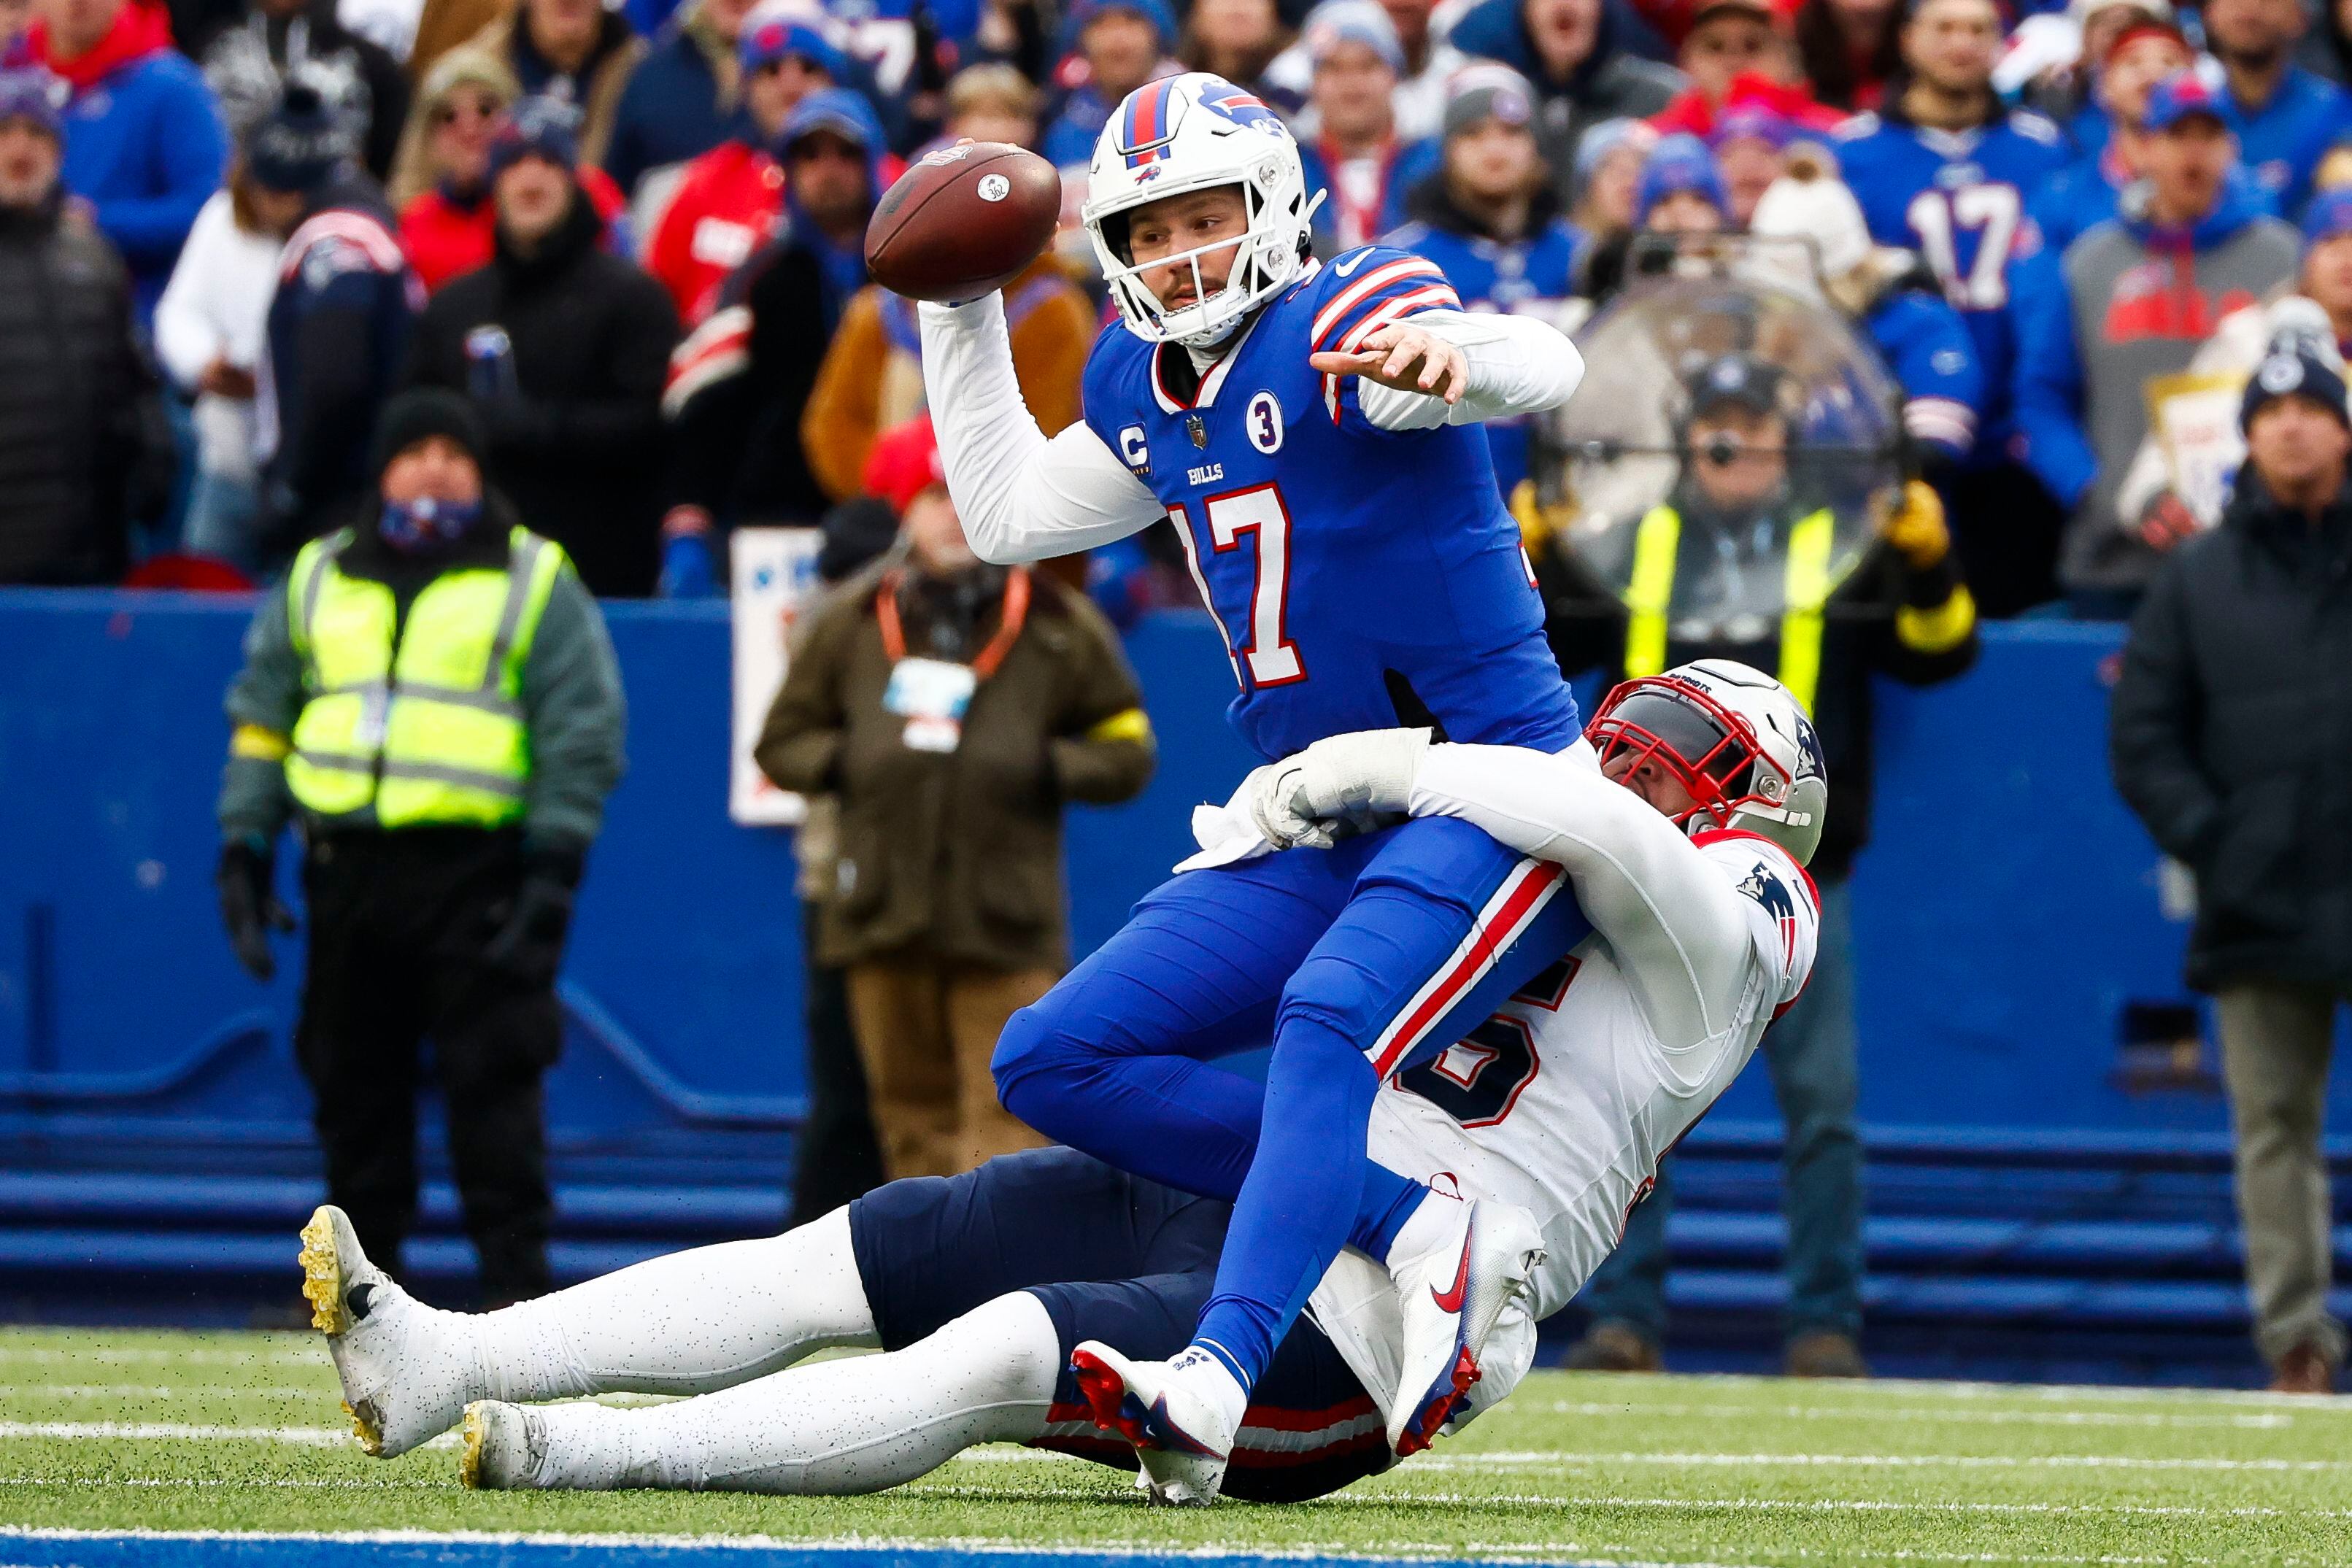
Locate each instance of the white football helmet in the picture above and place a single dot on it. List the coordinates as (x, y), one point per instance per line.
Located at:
(1197, 133)
(1736, 739)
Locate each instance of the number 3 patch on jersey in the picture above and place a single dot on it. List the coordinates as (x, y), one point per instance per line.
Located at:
(1263, 422)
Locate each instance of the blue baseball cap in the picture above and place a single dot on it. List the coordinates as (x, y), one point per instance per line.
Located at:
(773, 38)
(837, 109)
(2178, 96)
(1679, 163)
(2329, 215)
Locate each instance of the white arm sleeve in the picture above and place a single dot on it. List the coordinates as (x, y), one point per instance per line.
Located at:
(1022, 498)
(1673, 922)
(1519, 364)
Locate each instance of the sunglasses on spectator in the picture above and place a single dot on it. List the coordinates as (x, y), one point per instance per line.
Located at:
(458, 108)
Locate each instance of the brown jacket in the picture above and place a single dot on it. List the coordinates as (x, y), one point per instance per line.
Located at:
(872, 378)
(957, 855)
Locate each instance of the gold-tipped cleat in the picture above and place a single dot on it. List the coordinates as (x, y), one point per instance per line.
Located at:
(469, 1457)
(371, 1439)
(322, 1273)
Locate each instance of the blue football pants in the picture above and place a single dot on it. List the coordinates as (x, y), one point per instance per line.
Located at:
(1356, 962)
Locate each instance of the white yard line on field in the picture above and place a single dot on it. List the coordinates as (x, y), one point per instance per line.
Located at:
(183, 1431)
(1542, 1458)
(189, 1390)
(2265, 1420)
(127, 1354)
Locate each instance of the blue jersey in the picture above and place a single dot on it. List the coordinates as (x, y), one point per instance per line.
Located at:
(1934, 360)
(1531, 275)
(2281, 143)
(1361, 577)
(1958, 198)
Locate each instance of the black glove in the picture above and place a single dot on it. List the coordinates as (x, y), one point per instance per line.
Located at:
(249, 906)
(528, 945)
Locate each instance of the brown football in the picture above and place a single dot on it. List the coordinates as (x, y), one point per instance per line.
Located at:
(962, 220)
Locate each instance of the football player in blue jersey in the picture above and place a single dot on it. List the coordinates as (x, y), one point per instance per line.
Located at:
(1310, 429)
(1945, 170)
(1489, 219)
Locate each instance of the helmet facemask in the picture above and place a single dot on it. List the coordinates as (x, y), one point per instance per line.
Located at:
(1705, 747)
(1264, 260)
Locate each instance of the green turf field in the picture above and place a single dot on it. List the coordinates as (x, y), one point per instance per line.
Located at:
(104, 1430)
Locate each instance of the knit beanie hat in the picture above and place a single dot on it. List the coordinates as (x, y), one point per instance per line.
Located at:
(1484, 93)
(31, 95)
(300, 144)
(537, 127)
(420, 412)
(2294, 374)
(1680, 163)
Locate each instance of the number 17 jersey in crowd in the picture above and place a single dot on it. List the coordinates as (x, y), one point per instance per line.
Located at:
(1361, 577)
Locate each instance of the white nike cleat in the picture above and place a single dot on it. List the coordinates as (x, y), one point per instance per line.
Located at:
(406, 1377)
(505, 1448)
(1450, 1297)
(1181, 1433)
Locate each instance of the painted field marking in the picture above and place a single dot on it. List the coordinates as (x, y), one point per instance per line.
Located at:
(169, 1390)
(2262, 1420)
(186, 1431)
(1539, 1459)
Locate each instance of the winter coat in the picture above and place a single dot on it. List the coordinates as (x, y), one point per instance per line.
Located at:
(1624, 75)
(246, 62)
(575, 442)
(448, 233)
(678, 103)
(2232, 738)
(2125, 302)
(143, 141)
(595, 86)
(80, 431)
(872, 378)
(956, 854)
(725, 207)
(217, 307)
(337, 331)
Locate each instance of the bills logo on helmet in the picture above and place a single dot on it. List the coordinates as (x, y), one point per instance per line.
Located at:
(1243, 107)
(1772, 893)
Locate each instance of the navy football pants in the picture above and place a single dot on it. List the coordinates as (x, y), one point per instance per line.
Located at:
(1356, 961)
(1116, 1258)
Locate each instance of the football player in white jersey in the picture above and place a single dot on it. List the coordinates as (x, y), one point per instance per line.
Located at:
(1686, 849)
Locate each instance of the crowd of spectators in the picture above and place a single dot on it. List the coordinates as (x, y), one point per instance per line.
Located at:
(631, 235)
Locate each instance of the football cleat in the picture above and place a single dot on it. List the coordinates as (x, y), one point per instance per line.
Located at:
(405, 1380)
(1179, 1435)
(505, 1448)
(1450, 1297)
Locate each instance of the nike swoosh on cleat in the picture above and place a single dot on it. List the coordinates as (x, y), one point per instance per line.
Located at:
(1450, 1299)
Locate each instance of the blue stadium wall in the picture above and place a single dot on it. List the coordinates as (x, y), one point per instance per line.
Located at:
(2029, 1172)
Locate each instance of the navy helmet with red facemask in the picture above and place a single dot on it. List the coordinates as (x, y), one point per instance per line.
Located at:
(1734, 737)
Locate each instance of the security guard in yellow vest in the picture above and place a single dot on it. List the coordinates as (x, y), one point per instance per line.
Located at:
(1735, 564)
(431, 695)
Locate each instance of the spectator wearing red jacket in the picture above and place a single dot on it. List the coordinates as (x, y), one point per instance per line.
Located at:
(449, 226)
(1736, 54)
(728, 200)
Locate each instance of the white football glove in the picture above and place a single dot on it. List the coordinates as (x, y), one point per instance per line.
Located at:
(1341, 785)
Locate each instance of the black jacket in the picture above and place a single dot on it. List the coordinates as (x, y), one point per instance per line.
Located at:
(740, 385)
(578, 446)
(81, 429)
(2232, 737)
(1860, 639)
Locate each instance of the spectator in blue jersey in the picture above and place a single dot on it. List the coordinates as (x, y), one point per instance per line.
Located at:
(1589, 60)
(338, 327)
(682, 96)
(1356, 154)
(144, 145)
(1490, 218)
(1944, 169)
(2284, 118)
(2086, 191)
(2131, 300)
(1115, 46)
(1890, 295)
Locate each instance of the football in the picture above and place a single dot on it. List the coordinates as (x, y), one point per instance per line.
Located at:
(962, 220)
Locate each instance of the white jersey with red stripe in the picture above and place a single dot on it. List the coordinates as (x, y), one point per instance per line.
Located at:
(1564, 1102)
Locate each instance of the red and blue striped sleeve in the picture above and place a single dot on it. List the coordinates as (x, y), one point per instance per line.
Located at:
(1378, 286)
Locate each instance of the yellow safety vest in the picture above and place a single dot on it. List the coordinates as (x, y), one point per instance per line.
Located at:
(1805, 588)
(420, 720)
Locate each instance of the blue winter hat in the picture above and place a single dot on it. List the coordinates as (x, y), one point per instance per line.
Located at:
(773, 38)
(537, 127)
(1680, 163)
(300, 144)
(1156, 12)
(1338, 22)
(2294, 374)
(844, 113)
(31, 95)
(2329, 215)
